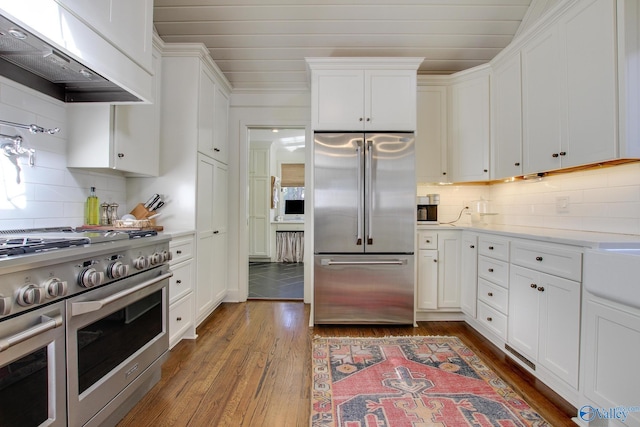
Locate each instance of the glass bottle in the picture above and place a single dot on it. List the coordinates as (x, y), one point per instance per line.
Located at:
(92, 209)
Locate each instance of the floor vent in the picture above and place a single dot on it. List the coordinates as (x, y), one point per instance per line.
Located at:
(523, 359)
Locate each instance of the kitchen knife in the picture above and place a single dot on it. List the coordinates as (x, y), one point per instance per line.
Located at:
(151, 201)
(157, 206)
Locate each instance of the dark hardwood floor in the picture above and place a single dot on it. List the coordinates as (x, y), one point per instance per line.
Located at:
(251, 366)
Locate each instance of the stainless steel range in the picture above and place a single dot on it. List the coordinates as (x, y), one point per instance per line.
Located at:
(83, 324)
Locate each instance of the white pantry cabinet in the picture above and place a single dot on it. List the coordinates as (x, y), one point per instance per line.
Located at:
(469, 126)
(431, 131)
(193, 184)
(370, 94)
(126, 24)
(213, 116)
(119, 137)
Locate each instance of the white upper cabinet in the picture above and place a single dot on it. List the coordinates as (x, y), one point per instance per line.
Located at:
(127, 24)
(431, 133)
(363, 94)
(469, 126)
(120, 137)
(570, 90)
(213, 115)
(506, 135)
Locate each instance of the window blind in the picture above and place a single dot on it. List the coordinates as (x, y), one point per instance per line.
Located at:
(292, 175)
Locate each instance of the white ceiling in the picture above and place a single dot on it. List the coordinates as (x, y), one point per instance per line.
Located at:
(261, 44)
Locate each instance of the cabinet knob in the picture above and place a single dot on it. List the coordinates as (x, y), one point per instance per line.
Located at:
(368, 119)
(361, 119)
(217, 150)
(517, 163)
(486, 170)
(555, 155)
(491, 270)
(216, 232)
(490, 248)
(472, 246)
(121, 155)
(428, 241)
(563, 153)
(489, 319)
(490, 294)
(178, 281)
(444, 173)
(179, 319)
(541, 289)
(435, 260)
(179, 252)
(533, 286)
(539, 258)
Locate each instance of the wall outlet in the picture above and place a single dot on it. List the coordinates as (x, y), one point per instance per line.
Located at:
(562, 204)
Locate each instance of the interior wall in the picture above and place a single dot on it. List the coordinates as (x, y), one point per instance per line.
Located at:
(48, 193)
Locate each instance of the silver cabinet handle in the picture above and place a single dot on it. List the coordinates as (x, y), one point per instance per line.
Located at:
(79, 308)
(48, 323)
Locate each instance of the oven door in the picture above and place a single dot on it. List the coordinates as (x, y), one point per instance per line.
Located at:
(32, 369)
(116, 335)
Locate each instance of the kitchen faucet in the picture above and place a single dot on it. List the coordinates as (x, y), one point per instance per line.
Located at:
(14, 150)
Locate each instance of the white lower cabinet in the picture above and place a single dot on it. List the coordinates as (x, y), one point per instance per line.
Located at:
(439, 270)
(181, 320)
(544, 319)
(611, 379)
(469, 273)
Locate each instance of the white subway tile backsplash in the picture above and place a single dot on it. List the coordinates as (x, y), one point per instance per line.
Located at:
(49, 193)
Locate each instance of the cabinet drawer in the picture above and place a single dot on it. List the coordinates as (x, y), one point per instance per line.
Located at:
(181, 249)
(180, 283)
(427, 240)
(493, 319)
(494, 247)
(493, 295)
(551, 259)
(494, 270)
(180, 319)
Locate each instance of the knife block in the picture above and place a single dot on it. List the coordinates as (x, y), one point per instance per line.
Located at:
(140, 212)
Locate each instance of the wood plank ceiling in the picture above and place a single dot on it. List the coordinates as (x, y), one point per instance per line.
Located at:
(261, 44)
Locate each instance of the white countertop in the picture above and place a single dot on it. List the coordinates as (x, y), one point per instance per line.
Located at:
(289, 221)
(589, 239)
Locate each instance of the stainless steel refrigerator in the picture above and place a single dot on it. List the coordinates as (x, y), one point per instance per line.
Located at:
(364, 228)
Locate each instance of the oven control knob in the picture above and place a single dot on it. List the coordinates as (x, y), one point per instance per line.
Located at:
(141, 262)
(168, 255)
(156, 258)
(117, 270)
(90, 277)
(55, 287)
(30, 295)
(5, 305)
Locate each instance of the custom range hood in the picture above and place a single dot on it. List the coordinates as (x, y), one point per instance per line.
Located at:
(28, 60)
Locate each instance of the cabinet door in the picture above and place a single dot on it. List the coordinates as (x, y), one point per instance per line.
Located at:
(542, 94)
(506, 141)
(205, 229)
(206, 110)
(126, 24)
(428, 279)
(389, 100)
(469, 273)
(137, 131)
(220, 268)
(220, 201)
(449, 270)
(524, 306)
(470, 129)
(338, 97)
(431, 134)
(589, 33)
(559, 321)
(221, 126)
(259, 203)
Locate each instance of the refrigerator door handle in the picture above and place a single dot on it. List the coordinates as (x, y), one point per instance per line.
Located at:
(378, 262)
(360, 214)
(369, 167)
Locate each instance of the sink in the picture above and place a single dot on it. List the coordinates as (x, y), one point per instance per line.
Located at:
(613, 272)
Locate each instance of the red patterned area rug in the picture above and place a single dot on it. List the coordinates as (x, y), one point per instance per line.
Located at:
(410, 382)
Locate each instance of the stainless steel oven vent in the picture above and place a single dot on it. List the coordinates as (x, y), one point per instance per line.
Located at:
(30, 61)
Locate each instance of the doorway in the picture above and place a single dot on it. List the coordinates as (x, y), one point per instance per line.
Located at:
(276, 213)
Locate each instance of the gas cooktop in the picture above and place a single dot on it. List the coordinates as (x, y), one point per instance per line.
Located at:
(19, 242)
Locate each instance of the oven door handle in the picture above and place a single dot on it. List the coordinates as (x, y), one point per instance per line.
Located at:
(48, 323)
(80, 308)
